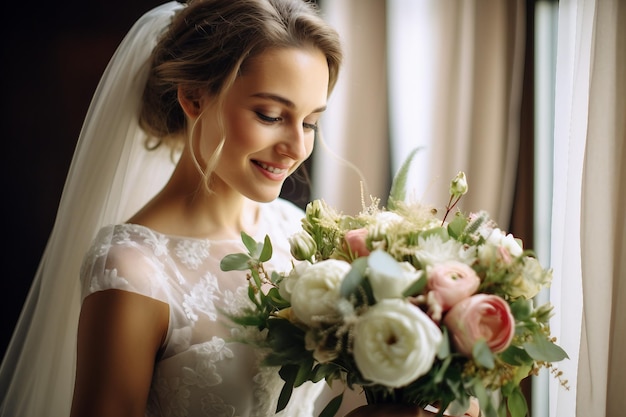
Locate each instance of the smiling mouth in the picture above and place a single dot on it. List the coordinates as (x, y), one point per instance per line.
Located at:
(270, 168)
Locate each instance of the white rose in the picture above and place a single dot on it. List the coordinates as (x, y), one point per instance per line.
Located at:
(395, 343)
(531, 280)
(315, 293)
(285, 287)
(388, 277)
(499, 245)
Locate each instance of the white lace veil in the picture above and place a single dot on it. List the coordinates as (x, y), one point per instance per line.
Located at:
(111, 176)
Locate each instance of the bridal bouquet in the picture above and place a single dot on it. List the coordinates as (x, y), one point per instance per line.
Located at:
(408, 306)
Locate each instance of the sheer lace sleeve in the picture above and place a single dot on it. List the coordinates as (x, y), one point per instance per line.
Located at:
(126, 257)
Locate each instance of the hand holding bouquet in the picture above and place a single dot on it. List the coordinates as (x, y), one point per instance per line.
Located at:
(409, 307)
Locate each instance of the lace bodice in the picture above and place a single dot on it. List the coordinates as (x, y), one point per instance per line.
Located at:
(203, 371)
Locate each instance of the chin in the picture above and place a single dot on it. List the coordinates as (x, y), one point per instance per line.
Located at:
(263, 197)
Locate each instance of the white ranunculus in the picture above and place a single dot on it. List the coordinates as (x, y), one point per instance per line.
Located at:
(388, 277)
(315, 293)
(395, 343)
(285, 287)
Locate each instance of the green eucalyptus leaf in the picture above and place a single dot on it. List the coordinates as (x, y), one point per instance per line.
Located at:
(436, 231)
(482, 354)
(354, 277)
(304, 371)
(542, 349)
(249, 243)
(516, 403)
(276, 300)
(326, 371)
(522, 309)
(516, 356)
(235, 262)
(249, 320)
(332, 407)
(266, 250)
(442, 371)
(457, 226)
(416, 287)
(383, 263)
(444, 348)
(398, 186)
(257, 279)
(288, 374)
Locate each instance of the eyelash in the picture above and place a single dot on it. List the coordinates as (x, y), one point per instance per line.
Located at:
(268, 119)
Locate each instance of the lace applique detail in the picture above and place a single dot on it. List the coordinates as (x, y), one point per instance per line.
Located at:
(192, 252)
(235, 302)
(213, 406)
(109, 280)
(205, 372)
(121, 235)
(158, 243)
(202, 298)
(267, 383)
(174, 397)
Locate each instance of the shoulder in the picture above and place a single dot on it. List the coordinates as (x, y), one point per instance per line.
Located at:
(126, 257)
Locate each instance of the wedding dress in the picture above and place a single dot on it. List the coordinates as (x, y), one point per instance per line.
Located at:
(203, 370)
(111, 176)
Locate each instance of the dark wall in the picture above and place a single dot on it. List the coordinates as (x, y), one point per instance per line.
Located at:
(53, 54)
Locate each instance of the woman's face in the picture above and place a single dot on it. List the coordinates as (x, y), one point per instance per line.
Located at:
(270, 116)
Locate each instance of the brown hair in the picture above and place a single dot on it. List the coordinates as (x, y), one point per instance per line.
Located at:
(209, 42)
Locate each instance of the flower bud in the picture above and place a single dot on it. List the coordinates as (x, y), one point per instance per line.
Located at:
(302, 246)
(458, 186)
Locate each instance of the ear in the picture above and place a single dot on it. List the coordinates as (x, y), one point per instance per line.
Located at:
(191, 101)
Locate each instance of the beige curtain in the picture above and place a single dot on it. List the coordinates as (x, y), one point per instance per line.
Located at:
(355, 148)
(588, 226)
(444, 76)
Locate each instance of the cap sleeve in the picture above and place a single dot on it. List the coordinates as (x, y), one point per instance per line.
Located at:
(125, 258)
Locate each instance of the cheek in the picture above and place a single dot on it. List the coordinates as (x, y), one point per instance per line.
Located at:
(309, 145)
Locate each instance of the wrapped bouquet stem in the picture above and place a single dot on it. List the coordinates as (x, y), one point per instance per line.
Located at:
(411, 306)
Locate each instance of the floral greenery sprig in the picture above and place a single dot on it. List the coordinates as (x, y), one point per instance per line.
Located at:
(404, 305)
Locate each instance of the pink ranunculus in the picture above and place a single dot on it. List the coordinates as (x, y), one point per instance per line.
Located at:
(356, 241)
(452, 282)
(481, 316)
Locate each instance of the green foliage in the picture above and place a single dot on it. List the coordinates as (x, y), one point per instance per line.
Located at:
(483, 355)
(354, 278)
(542, 349)
(453, 378)
(398, 186)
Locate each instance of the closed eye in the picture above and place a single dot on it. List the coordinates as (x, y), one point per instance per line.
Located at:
(267, 119)
(310, 126)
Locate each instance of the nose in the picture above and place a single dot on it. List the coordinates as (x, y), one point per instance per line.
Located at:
(296, 143)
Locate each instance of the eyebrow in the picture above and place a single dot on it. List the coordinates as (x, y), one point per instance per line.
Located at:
(286, 102)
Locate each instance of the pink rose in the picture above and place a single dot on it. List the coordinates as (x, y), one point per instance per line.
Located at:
(481, 316)
(452, 282)
(355, 239)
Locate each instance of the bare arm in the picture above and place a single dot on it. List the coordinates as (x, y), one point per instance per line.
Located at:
(119, 336)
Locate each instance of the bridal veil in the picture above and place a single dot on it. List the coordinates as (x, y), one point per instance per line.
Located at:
(111, 176)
